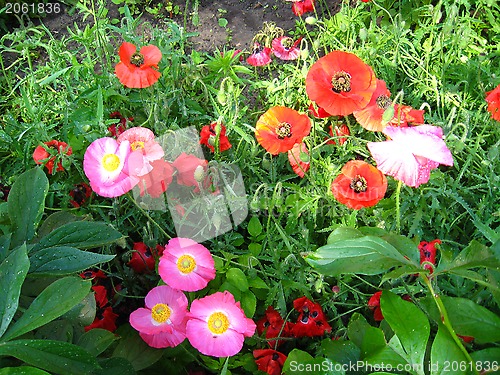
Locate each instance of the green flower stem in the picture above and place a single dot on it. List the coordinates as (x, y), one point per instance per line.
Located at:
(445, 319)
(398, 207)
(149, 217)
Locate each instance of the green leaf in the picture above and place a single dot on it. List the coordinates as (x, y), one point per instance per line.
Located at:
(22, 370)
(248, 303)
(409, 323)
(474, 255)
(96, 340)
(115, 366)
(56, 220)
(340, 351)
(445, 352)
(366, 255)
(55, 300)
(254, 226)
(4, 245)
(26, 203)
(300, 362)
(238, 278)
(356, 329)
(84, 312)
(133, 348)
(343, 233)
(373, 342)
(13, 271)
(54, 356)
(486, 359)
(80, 234)
(63, 260)
(53, 76)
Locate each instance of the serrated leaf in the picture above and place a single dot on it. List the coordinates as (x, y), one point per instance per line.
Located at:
(13, 271)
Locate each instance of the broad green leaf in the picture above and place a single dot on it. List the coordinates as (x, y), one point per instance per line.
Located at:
(487, 359)
(96, 340)
(254, 226)
(467, 318)
(22, 370)
(80, 234)
(56, 220)
(84, 312)
(4, 245)
(400, 272)
(238, 278)
(366, 255)
(409, 323)
(405, 246)
(55, 300)
(373, 342)
(26, 203)
(59, 330)
(340, 351)
(13, 271)
(258, 283)
(248, 303)
(445, 353)
(343, 233)
(133, 348)
(63, 260)
(300, 362)
(115, 366)
(356, 329)
(474, 255)
(54, 356)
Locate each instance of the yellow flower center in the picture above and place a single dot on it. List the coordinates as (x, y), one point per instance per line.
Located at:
(218, 323)
(186, 264)
(137, 59)
(110, 162)
(358, 184)
(136, 145)
(160, 312)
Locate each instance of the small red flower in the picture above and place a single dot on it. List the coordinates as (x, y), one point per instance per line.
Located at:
(302, 6)
(270, 361)
(138, 69)
(105, 319)
(208, 136)
(274, 326)
(50, 152)
(142, 259)
(319, 112)
(285, 48)
(96, 275)
(311, 321)
(493, 100)
(156, 182)
(190, 169)
(359, 185)
(80, 193)
(260, 55)
(428, 253)
(340, 132)
(101, 295)
(121, 126)
(298, 157)
(374, 305)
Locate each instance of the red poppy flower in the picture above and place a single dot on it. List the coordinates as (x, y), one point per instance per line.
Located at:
(96, 275)
(270, 361)
(285, 48)
(142, 259)
(156, 182)
(190, 169)
(340, 132)
(311, 321)
(260, 55)
(208, 136)
(359, 185)
(318, 113)
(302, 6)
(340, 83)
(374, 305)
(80, 193)
(136, 70)
(105, 319)
(493, 100)
(279, 128)
(298, 157)
(274, 326)
(370, 117)
(121, 126)
(101, 295)
(405, 115)
(47, 154)
(428, 253)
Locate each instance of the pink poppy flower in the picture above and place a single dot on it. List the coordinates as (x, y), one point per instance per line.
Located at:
(162, 323)
(186, 265)
(411, 153)
(298, 157)
(188, 173)
(105, 165)
(143, 149)
(217, 325)
(260, 55)
(285, 48)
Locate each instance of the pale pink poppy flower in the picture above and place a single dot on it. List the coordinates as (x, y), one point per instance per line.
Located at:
(186, 265)
(217, 325)
(143, 149)
(285, 48)
(105, 163)
(411, 153)
(190, 169)
(260, 55)
(162, 323)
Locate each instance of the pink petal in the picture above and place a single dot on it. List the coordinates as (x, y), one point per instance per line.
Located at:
(164, 339)
(224, 345)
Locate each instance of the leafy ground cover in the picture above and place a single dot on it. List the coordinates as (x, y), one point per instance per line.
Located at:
(323, 202)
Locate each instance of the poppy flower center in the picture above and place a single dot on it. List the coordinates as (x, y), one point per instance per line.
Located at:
(161, 312)
(186, 264)
(110, 162)
(218, 323)
(283, 130)
(275, 356)
(341, 82)
(137, 59)
(383, 102)
(287, 43)
(358, 184)
(137, 145)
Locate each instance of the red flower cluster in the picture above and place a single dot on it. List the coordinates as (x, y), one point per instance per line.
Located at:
(428, 254)
(270, 361)
(311, 321)
(143, 259)
(51, 151)
(273, 325)
(121, 126)
(208, 137)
